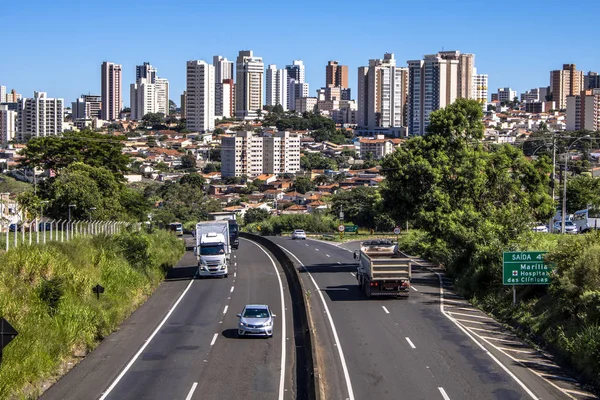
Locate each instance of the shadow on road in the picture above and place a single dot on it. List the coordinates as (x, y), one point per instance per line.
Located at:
(230, 334)
(181, 273)
(330, 267)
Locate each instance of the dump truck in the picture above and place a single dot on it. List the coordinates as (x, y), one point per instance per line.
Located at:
(213, 249)
(382, 270)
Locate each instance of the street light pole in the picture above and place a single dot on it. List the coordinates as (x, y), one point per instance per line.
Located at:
(564, 199)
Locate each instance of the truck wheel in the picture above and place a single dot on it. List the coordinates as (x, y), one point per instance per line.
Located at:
(368, 291)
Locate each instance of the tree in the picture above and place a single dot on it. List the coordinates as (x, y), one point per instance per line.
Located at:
(472, 203)
(188, 161)
(218, 132)
(172, 106)
(583, 191)
(312, 161)
(215, 155)
(362, 205)
(193, 179)
(256, 215)
(153, 119)
(210, 167)
(303, 184)
(55, 153)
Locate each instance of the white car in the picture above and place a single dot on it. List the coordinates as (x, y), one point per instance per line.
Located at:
(570, 227)
(540, 228)
(299, 234)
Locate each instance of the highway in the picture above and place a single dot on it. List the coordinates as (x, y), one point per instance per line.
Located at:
(183, 344)
(418, 348)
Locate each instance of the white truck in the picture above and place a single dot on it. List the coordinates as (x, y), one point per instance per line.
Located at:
(213, 249)
(382, 270)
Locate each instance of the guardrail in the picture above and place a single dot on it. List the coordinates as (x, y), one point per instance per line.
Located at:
(305, 376)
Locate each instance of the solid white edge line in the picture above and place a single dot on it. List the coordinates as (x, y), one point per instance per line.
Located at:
(191, 393)
(410, 342)
(225, 309)
(283, 333)
(334, 331)
(146, 343)
(385, 309)
(214, 339)
(513, 376)
(444, 394)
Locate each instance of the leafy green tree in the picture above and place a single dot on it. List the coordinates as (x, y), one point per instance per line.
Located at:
(303, 184)
(193, 179)
(210, 167)
(188, 161)
(153, 119)
(55, 153)
(312, 161)
(473, 203)
(362, 205)
(161, 167)
(215, 155)
(254, 215)
(219, 131)
(581, 192)
(30, 203)
(321, 180)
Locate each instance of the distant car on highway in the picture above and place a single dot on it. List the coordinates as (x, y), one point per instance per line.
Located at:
(540, 228)
(570, 227)
(299, 234)
(256, 320)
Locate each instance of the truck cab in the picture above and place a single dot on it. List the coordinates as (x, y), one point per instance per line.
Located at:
(234, 233)
(212, 255)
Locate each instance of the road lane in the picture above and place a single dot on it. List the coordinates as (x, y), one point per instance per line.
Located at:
(250, 368)
(381, 361)
(189, 355)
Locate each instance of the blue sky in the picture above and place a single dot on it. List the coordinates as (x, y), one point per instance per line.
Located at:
(58, 46)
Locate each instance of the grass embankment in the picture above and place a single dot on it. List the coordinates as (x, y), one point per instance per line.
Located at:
(564, 317)
(46, 295)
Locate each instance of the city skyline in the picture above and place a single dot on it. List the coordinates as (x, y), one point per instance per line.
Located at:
(507, 62)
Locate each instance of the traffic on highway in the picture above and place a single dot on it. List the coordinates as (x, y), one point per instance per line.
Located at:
(383, 325)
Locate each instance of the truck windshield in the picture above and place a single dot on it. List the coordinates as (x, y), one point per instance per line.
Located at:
(212, 250)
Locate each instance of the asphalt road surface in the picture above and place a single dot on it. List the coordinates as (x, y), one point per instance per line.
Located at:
(433, 345)
(182, 343)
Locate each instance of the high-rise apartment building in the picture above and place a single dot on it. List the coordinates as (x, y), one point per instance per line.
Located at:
(183, 101)
(480, 87)
(277, 87)
(296, 71)
(145, 71)
(382, 93)
(112, 100)
(223, 68)
(506, 95)
(8, 125)
(432, 84)
(297, 86)
(200, 96)
(223, 92)
(583, 111)
(249, 85)
(142, 99)
(249, 154)
(39, 116)
(86, 107)
(2, 94)
(465, 72)
(225, 99)
(12, 97)
(162, 95)
(336, 75)
(591, 80)
(565, 82)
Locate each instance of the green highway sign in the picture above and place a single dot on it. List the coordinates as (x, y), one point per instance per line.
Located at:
(351, 228)
(525, 268)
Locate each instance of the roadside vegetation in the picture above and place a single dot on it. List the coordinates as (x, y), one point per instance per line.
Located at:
(471, 204)
(46, 295)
